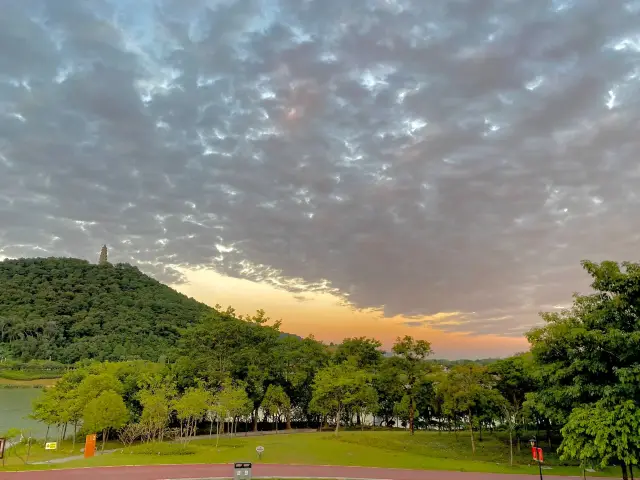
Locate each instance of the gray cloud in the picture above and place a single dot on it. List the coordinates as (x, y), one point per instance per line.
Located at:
(457, 156)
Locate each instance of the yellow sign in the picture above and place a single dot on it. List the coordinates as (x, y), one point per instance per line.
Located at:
(51, 445)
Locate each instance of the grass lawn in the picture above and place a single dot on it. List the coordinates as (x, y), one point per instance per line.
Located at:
(13, 383)
(396, 449)
(14, 457)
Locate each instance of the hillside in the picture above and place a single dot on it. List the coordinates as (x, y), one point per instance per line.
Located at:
(66, 309)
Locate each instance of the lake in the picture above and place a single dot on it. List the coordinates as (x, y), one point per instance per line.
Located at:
(15, 405)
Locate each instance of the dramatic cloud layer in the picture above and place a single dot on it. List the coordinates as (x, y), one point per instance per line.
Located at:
(421, 157)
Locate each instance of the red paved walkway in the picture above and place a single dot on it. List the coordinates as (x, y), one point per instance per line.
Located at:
(163, 472)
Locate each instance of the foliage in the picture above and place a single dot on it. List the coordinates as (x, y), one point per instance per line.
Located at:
(410, 360)
(105, 412)
(600, 433)
(466, 391)
(68, 310)
(156, 397)
(276, 403)
(364, 352)
(190, 409)
(338, 387)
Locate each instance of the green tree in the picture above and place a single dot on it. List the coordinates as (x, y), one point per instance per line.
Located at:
(156, 398)
(364, 352)
(600, 433)
(276, 403)
(105, 412)
(410, 358)
(338, 387)
(294, 364)
(587, 355)
(464, 390)
(190, 408)
(514, 379)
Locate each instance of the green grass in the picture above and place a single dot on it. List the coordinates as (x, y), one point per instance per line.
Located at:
(37, 383)
(29, 374)
(14, 457)
(425, 450)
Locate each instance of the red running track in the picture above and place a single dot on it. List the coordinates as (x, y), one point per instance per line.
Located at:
(165, 472)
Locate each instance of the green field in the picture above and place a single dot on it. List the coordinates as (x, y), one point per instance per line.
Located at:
(397, 449)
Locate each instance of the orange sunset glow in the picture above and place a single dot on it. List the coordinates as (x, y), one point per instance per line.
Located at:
(326, 317)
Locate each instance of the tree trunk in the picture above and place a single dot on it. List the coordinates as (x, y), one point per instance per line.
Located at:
(75, 430)
(64, 432)
(511, 446)
(217, 431)
(473, 442)
(480, 433)
(46, 435)
(105, 433)
(625, 475)
(288, 427)
(411, 413)
(338, 416)
(255, 420)
(631, 471)
(275, 417)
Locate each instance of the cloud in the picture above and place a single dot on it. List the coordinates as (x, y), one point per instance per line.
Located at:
(456, 156)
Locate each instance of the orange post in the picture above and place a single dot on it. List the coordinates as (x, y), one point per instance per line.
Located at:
(90, 446)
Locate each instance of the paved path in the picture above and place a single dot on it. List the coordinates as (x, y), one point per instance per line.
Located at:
(201, 472)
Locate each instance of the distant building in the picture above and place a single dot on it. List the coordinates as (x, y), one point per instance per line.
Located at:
(103, 256)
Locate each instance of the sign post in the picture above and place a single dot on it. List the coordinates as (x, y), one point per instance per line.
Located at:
(242, 471)
(90, 446)
(537, 454)
(260, 450)
(2, 442)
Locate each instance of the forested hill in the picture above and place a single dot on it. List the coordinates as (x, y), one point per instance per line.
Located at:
(68, 310)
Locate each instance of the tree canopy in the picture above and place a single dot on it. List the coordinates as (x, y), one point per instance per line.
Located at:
(68, 310)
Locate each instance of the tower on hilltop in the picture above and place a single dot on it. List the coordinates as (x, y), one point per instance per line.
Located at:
(103, 256)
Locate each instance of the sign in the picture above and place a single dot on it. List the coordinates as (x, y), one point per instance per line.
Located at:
(242, 471)
(90, 446)
(537, 454)
(260, 450)
(2, 441)
(51, 445)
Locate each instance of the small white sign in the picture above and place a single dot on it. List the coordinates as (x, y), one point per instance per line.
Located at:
(259, 449)
(51, 445)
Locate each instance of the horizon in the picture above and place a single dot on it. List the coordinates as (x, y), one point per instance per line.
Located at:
(378, 169)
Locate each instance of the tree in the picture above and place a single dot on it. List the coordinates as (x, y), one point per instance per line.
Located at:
(514, 380)
(294, 364)
(588, 354)
(156, 399)
(364, 352)
(337, 387)
(599, 433)
(410, 356)
(276, 403)
(105, 412)
(389, 389)
(190, 408)
(464, 389)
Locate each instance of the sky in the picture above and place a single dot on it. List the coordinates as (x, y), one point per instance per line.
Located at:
(370, 167)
